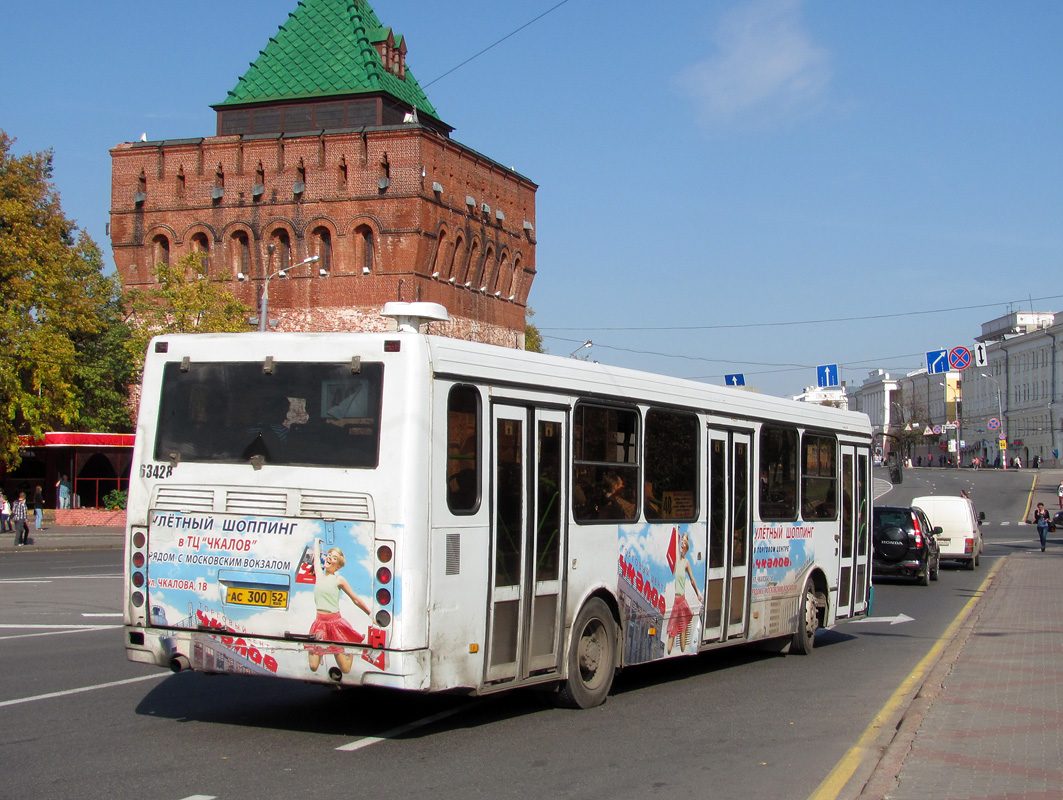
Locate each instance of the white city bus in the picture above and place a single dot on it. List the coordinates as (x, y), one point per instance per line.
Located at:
(429, 514)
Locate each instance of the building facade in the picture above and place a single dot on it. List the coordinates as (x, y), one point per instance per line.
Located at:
(1008, 406)
(923, 409)
(328, 147)
(1017, 398)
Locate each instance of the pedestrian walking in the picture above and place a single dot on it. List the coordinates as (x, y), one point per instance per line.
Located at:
(18, 516)
(1059, 491)
(38, 508)
(1040, 518)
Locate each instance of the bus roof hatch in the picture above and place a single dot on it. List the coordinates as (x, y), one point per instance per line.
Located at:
(409, 316)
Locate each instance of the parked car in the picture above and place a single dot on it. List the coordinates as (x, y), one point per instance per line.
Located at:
(960, 538)
(905, 543)
(1057, 521)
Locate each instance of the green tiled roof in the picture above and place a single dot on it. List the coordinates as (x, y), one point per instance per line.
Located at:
(325, 49)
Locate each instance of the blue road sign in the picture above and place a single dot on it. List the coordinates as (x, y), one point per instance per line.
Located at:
(959, 358)
(937, 361)
(827, 375)
(735, 380)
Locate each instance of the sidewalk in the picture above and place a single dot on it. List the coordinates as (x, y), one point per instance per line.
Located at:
(987, 722)
(59, 537)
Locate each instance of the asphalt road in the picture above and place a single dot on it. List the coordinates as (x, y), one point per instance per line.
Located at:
(80, 721)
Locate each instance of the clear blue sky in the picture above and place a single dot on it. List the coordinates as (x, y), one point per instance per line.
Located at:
(707, 169)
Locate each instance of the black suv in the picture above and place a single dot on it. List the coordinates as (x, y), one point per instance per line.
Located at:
(905, 544)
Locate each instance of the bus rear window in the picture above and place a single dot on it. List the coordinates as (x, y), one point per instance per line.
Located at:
(301, 414)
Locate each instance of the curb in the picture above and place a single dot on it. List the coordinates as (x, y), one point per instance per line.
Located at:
(35, 548)
(55, 538)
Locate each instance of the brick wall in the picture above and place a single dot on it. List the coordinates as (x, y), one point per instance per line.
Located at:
(429, 218)
(89, 517)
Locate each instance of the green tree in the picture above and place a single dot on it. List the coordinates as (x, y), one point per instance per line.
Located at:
(52, 290)
(106, 372)
(533, 339)
(182, 300)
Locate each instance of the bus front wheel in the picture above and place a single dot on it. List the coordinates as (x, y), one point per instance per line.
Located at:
(807, 622)
(591, 657)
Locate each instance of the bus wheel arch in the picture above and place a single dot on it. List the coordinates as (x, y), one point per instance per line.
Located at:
(592, 655)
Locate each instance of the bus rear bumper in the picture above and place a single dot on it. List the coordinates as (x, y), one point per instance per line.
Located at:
(236, 654)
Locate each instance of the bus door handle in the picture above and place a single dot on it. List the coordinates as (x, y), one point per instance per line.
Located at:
(837, 537)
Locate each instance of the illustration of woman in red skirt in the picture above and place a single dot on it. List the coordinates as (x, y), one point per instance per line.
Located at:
(682, 615)
(330, 626)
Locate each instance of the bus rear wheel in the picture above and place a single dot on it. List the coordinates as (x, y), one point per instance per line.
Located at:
(591, 657)
(807, 622)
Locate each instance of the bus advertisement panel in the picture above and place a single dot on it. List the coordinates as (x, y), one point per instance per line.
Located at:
(304, 580)
(782, 555)
(661, 592)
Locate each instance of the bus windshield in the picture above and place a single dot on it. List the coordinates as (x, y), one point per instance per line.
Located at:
(302, 414)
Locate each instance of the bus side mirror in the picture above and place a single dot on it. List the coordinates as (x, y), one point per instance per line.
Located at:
(896, 470)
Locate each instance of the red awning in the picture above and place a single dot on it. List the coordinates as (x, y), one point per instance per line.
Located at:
(60, 439)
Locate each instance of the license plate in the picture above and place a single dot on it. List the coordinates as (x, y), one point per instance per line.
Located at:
(266, 598)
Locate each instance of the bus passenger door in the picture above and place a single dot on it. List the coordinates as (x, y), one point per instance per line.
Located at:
(861, 512)
(730, 529)
(547, 540)
(847, 534)
(526, 543)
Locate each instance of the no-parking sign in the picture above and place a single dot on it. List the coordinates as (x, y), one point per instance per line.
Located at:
(959, 358)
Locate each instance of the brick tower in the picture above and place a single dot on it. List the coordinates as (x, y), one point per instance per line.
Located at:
(328, 146)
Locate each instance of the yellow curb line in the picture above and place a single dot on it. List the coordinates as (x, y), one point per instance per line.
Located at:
(1029, 499)
(838, 777)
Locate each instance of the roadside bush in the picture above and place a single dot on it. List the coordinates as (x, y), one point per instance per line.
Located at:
(115, 500)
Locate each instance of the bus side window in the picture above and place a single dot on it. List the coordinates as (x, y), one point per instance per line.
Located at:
(778, 473)
(819, 477)
(671, 480)
(463, 449)
(606, 471)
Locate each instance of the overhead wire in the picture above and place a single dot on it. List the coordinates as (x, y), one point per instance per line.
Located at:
(495, 44)
(862, 318)
(772, 367)
(777, 367)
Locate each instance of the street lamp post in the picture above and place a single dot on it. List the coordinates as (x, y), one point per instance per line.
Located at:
(263, 302)
(1000, 416)
(587, 343)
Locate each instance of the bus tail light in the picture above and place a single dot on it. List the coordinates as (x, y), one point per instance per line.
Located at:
(138, 559)
(385, 592)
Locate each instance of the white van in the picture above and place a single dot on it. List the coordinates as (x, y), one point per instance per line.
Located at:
(961, 533)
